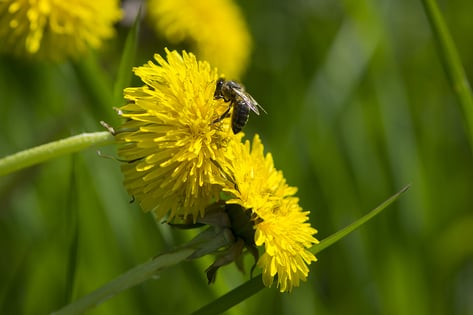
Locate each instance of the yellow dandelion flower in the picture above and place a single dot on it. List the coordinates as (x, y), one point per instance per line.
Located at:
(56, 29)
(175, 155)
(286, 237)
(279, 222)
(215, 28)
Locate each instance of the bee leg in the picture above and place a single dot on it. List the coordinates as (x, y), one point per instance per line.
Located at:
(223, 116)
(221, 96)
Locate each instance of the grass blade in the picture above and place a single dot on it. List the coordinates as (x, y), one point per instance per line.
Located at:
(125, 281)
(335, 237)
(451, 62)
(232, 298)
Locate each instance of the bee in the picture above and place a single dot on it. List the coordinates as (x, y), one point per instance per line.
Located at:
(241, 101)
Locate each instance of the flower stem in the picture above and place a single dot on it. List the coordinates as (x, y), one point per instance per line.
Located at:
(51, 150)
(451, 63)
(127, 280)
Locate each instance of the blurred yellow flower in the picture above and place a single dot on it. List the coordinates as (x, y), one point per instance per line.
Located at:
(175, 157)
(279, 222)
(56, 29)
(215, 29)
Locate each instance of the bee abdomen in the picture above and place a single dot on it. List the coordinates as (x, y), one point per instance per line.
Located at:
(240, 115)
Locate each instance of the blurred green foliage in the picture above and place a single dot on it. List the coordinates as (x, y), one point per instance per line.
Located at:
(358, 105)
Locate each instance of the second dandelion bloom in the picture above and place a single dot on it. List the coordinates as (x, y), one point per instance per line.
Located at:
(280, 224)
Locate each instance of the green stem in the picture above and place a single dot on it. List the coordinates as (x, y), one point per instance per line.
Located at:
(51, 150)
(451, 62)
(127, 280)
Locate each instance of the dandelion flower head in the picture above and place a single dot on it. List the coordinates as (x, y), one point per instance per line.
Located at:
(175, 157)
(56, 29)
(280, 223)
(215, 29)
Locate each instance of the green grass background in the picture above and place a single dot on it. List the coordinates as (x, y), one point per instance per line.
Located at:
(358, 106)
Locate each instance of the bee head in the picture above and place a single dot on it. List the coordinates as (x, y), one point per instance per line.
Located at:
(218, 88)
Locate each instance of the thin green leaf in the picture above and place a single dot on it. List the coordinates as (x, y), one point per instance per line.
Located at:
(332, 239)
(125, 281)
(255, 285)
(232, 298)
(451, 62)
(127, 60)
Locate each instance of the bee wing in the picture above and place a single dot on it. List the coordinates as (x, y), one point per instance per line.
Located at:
(250, 101)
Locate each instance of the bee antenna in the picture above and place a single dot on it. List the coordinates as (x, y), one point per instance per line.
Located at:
(108, 127)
